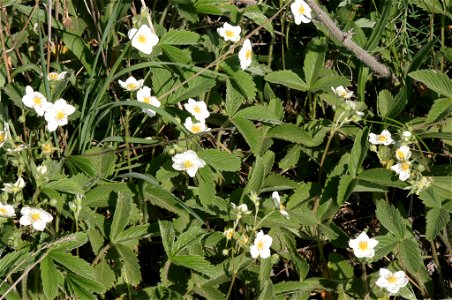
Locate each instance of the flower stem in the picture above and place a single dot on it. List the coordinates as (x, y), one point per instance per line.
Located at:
(366, 286)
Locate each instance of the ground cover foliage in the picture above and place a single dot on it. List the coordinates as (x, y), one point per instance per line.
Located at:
(302, 155)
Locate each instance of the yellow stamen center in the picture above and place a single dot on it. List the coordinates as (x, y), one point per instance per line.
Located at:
(187, 164)
(53, 76)
(37, 100)
(382, 138)
(229, 33)
(391, 279)
(260, 245)
(60, 115)
(147, 100)
(46, 148)
(363, 245)
(131, 86)
(2, 136)
(405, 166)
(282, 207)
(197, 109)
(301, 10)
(35, 217)
(196, 128)
(400, 154)
(141, 39)
(3, 210)
(229, 234)
(248, 54)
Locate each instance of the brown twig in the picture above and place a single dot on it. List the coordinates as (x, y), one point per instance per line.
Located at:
(346, 40)
(5, 56)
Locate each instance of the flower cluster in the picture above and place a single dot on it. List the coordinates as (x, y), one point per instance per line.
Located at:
(198, 110)
(363, 247)
(350, 110)
(401, 154)
(55, 114)
(232, 33)
(36, 217)
(143, 93)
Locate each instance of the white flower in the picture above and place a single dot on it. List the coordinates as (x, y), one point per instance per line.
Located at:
(188, 161)
(4, 134)
(403, 153)
(403, 169)
(279, 205)
(144, 95)
(131, 84)
(35, 217)
(41, 170)
(13, 188)
(35, 100)
(17, 148)
(383, 138)
(246, 54)
(406, 136)
(198, 109)
(363, 246)
(229, 233)
(55, 76)
(392, 282)
(242, 209)
(143, 39)
(261, 246)
(57, 113)
(301, 12)
(229, 32)
(195, 127)
(6, 211)
(352, 105)
(342, 92)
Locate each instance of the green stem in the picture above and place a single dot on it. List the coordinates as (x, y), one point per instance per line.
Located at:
(366, 286)
(165, 271)
(440, 272)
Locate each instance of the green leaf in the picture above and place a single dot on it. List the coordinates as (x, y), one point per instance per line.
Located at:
(292, 133)
(386, 244)
(258, 173)
(436, 219)
(191, 236)
(206, 187)
(390, 218)
(434, 80)
(290, 160)
(130, 269)
(105, 274)
(382, 177)
(194, 262)
(220, 160)
(345, 188)
(71, 241)
(79, 48)
(314, 60)
(103, 159)
(258, 113)
(133, 233)
(254, 13)
(175, 54)
(441, 108)
(242, 80)
(340, 267)
(50, 278)
(359, 151)
(180, 37)
(168, 236)
(410, 256)
(287, 78)
(74, 264)
(65, 185)
(121, 217)
(196, 87)
(103, 194)
(234, 97)
(252, 135)
(380, 27)
(328, 80)
(384, 101)
(290, 287)
(80, 163)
